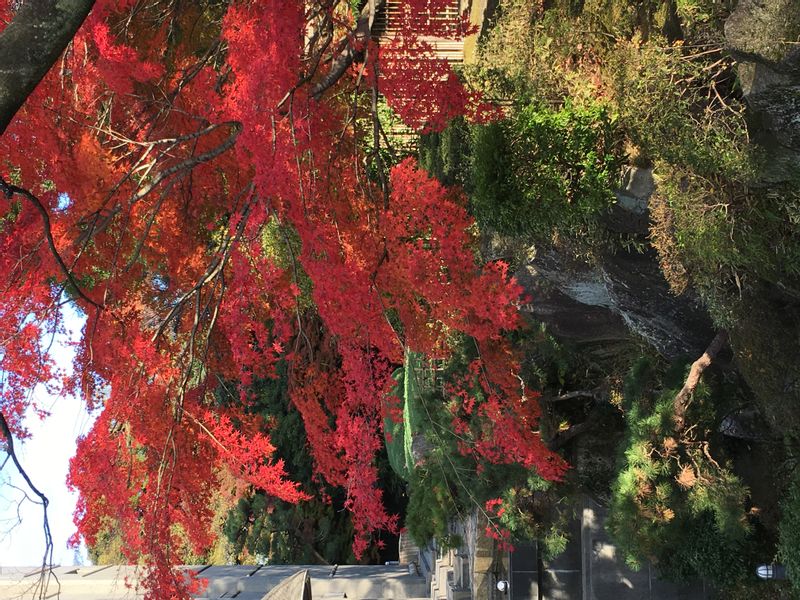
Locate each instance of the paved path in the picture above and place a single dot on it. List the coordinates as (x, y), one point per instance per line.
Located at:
(606, 577)
(590, 569)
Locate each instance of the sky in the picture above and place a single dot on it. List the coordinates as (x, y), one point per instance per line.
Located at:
(45, 456)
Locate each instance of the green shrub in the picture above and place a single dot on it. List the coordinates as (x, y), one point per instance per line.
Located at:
(550, 51)
(545, 173)
(394, 433)
(549, 361)
(718, 235)
(444, 482)
(695, 13)
(675, 108)
(700, 550)
(445, 155)
(505, 50)
(496, 198)
(430, 506)
(535, 509)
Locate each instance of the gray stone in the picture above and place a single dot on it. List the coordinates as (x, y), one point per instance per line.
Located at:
(775, 125)
(587, 303)
(561, 585)
(294, 587)
(744, 424)
(562, 577)
(420, 448)
(524, 571)
(596, 328)
(673, 324)
(583, 284)
(777, 112)
(637, 184)
(631, 204)
(764, 37)
(611, 579)
(524, 586)
(607, 577)
(667, 590)
(628, 215)
(243, 582)
(756, 77)
(766, 31)
(570, 559)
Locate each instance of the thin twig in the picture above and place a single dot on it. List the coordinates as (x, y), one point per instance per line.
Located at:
(47, 557)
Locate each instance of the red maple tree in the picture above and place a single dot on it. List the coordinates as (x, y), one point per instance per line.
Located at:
(140, 180)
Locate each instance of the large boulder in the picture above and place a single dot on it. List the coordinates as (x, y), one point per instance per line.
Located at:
(776, 114)
(604, 303)
(764, 37)
(755, 77)
(766, 32)
(575, 305)
(675, 325)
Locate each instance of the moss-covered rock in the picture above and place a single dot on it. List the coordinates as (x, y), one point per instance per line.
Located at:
(766, 31)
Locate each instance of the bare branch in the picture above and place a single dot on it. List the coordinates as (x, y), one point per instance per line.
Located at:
(214, 270)
(583, 394)
(191, 163)
(560, 439)
(47, 558)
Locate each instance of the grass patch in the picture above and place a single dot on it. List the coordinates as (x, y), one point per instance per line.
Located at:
(721, 235)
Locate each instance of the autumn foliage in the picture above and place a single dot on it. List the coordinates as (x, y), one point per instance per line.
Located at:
(165, 146)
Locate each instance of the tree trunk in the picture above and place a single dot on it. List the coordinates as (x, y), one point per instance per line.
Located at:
(31, 44)
(681, 402)
(342, 62)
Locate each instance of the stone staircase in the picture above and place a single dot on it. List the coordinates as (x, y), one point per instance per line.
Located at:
(462, 573)
(452, 577)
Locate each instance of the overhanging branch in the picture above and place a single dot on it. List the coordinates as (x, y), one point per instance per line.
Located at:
(681, 402)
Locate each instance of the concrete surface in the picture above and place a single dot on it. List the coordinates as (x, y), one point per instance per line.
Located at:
(242, 582)
(607, 577)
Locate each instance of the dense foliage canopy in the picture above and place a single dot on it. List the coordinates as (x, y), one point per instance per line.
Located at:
(206, 181)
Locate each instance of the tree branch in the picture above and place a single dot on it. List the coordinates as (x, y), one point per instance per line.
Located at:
(192, 162)
(341, 63)
(560, 439)
(9, 191)
(583, 394)
(214, 269)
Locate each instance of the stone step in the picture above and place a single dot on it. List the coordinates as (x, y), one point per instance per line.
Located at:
(409, 551)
